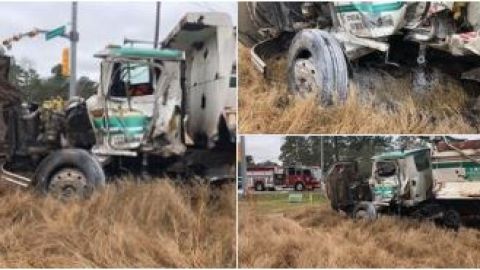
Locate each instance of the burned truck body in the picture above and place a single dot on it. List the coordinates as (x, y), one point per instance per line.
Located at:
(145, 117)
(440, 183)
(325, 40)
(10, 97)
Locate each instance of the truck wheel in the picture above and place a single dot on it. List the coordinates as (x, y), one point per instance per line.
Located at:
(317, 65)
(259, 187)
(452, 219)
(69, 173)
(299, 187)
(365, 211)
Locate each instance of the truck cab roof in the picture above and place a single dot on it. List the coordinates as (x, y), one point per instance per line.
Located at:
(398, 154)
(141, 53)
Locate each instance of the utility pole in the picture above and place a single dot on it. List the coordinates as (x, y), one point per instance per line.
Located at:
(243, 167)
(321, 157)
(73, 52)
(157, 26)
(322, 165)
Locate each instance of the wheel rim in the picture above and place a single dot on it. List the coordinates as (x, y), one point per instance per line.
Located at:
(68, 183)
(452, 219)
(299, 187)
(361, 214)
(305, 74)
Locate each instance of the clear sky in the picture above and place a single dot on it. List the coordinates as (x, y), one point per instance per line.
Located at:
(267, 147)
(99, 24)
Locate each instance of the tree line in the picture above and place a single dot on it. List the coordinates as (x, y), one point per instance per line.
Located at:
(33, 88)
(306, 150)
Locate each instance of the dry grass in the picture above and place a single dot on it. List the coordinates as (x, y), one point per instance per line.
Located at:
(318, 237)
(392, 106)
(155, 224)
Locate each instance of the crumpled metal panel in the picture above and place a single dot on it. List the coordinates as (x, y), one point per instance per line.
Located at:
(161, 111)
(278, 15)
(209, 42)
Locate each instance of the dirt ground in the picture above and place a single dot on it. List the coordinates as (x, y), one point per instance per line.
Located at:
(312, 235)
(155, 224)
(378, 104)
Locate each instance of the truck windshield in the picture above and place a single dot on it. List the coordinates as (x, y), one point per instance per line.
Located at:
(138, 74)
(135, 77)
(386, 168)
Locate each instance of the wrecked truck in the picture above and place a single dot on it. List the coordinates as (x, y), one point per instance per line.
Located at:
(441, 183)
(326, 41)
(170, 111)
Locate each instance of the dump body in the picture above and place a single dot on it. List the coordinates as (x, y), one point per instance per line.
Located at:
(209, 42)
(457, 173)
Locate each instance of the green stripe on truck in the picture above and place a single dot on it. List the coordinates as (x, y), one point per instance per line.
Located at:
(368, 7)
(133, 124)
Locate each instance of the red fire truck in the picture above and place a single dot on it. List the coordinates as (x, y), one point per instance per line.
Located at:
(275, 177)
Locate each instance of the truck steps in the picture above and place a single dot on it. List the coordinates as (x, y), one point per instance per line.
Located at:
(14, 178)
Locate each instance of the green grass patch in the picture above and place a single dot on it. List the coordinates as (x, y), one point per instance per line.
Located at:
(272, 203)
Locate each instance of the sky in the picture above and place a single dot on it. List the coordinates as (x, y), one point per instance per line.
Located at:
(267, 147)
(99, 24)
(264, 147)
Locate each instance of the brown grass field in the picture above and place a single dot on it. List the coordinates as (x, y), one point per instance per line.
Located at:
(265, 106)
(313, 235)
(155, 224)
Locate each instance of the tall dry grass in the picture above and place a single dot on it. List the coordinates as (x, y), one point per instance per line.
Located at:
(319, 237)
(155, 224)
(381, 104)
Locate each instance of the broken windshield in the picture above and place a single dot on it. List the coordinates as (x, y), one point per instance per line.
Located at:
(134, 78)
(386, 168)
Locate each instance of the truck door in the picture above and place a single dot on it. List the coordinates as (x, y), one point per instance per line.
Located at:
(422, 182)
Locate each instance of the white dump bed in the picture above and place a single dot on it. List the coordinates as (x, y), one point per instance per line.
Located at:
(209, 42)
(456, 176)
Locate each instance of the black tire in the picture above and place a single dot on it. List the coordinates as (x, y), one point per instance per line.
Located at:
(364, 211)
(75, 160)
(299, 186)
(452, 219)
(259, 186)
(317, 66)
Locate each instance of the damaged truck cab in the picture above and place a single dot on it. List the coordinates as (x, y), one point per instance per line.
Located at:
(163, 110)
(138, 106)
(403, 177)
